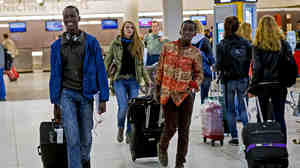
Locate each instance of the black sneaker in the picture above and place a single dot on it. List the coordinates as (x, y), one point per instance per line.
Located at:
(86, 164)
(234, 142)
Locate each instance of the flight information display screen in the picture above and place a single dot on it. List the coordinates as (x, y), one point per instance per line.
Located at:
(17, 27)
(53, 26)
(145, 22)
(109, 24)
(201, 19)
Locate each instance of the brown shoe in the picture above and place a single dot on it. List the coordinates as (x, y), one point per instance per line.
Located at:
(179, 166)
(120, 135)
(162, 156)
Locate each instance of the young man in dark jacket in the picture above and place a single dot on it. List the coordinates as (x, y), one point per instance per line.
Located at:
(77, 74)
(233, 61)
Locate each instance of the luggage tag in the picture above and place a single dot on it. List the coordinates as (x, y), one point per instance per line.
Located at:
(59, 135)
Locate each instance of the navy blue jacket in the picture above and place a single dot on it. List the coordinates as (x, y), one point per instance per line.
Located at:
(94, 73)
(208, 60)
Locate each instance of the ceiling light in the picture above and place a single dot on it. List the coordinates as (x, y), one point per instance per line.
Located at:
(39, 1)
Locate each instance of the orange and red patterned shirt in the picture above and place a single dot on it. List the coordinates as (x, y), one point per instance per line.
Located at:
(178, 67)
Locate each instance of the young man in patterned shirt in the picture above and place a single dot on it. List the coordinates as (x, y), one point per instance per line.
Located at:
(179, 76)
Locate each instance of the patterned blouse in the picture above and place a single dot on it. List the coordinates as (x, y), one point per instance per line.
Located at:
(177, 69)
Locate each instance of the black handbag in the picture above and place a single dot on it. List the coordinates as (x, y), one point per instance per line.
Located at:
(288, 69)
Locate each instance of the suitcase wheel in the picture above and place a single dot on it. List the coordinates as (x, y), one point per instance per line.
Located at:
(204, 139)
(133, 156)
(213, 143)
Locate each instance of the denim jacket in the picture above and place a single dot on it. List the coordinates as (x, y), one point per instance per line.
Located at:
(94, 74)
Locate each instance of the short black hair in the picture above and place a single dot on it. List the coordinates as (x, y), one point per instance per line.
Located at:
(189, 22)
(72, 7)
(231, 25)
(5, 35)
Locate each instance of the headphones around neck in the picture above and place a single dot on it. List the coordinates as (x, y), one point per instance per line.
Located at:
(73, 38)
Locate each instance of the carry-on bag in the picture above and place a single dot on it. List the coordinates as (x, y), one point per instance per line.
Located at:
(212, 123)
(52, 149)
(144, 115)
(11, 75)
(264, 143)
(212, 116)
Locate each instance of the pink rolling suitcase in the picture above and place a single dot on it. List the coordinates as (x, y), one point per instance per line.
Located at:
(212, 122)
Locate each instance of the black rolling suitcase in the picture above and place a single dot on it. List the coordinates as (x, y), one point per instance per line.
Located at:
(52, 149)
(264, 143)
(145, 116)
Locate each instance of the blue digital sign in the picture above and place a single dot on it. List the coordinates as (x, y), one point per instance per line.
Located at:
(109, 24)
(17, 27)
(53, 26)
(201, 19)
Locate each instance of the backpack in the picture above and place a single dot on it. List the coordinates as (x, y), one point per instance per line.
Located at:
(288, 69)
(236, 62)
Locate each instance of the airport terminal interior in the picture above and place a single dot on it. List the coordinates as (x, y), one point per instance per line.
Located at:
(33, 25)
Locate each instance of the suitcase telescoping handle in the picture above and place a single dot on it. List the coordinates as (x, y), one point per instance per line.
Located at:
(258, 109)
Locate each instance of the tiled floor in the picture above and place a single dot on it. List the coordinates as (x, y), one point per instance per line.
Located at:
(28, 105)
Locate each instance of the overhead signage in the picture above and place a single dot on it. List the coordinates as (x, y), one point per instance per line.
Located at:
(201, 19)
(53, 26)
(17, 27)
(230, 1)
(109, 24)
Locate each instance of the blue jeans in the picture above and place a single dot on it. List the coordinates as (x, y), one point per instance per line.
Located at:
(125, 89)
(236, 106)
(152, 59)
(237, 87)
(2, 85)
(77, 118)
(205, 88)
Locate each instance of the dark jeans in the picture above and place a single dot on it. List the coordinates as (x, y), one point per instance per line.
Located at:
(232, 88)
(278, 97)
(205, 88)
(152, 59)
(177, 117)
